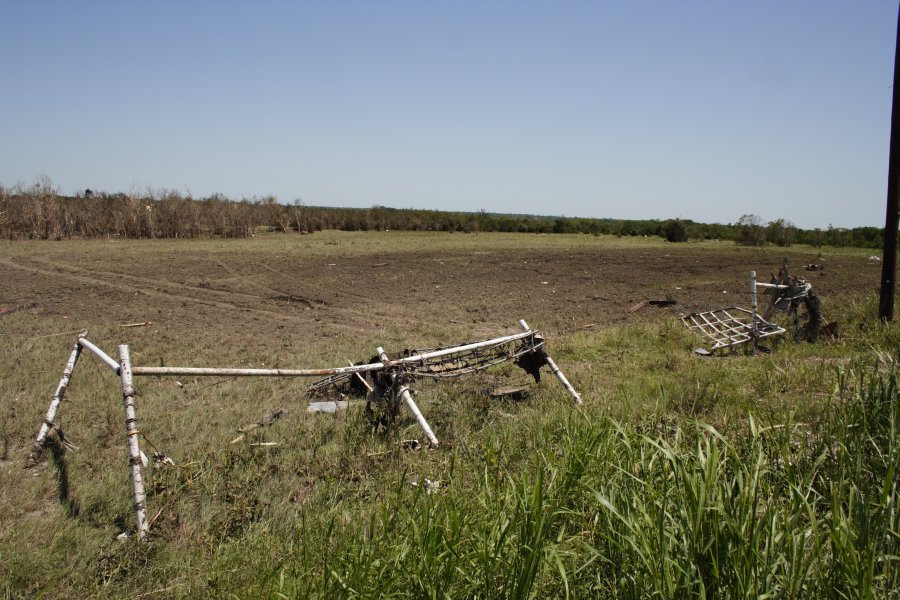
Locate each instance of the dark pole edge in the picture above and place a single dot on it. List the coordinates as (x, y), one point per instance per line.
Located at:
(892, 212)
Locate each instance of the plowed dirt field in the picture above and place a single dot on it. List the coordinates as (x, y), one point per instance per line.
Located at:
(300, 289)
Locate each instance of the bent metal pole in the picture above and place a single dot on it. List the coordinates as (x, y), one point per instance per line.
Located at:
(378, 366)
(103, 356)
(134, 448)
(41, 439)
(406, 396)
(555, 370)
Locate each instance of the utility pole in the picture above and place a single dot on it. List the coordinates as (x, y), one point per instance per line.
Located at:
(892, 216)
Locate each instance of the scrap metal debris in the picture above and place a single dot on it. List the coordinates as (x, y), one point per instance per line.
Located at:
(789, 294)
(431, 486)
(8, 310)
(513, 393)
(266, 421)
(658, 303)
(386, 383)
(328, 406)
(730, 327)
(389, 378)
(410, 444)
(525, 350)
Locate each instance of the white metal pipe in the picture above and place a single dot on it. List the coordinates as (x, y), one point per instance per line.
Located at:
(753, 309)
(753, 285)
(774, 286)
(229, 372)
(57, 398)
(100, 354)
(464, 348)
(134, 447)
(404, 394)
(562, 379)
(555, 370)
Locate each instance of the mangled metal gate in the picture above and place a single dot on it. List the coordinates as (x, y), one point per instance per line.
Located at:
(733, 326)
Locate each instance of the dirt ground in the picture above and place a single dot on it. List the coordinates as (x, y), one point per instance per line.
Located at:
(338, 284)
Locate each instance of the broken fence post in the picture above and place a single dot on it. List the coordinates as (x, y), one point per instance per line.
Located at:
(555, 370)
(754, 333)
(404, 394)
(41, 439)
(134, 448)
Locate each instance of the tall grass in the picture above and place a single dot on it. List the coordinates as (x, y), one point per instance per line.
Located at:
(784, 511)
(608, 509)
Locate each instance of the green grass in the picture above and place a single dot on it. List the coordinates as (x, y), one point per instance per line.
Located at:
(681, 476)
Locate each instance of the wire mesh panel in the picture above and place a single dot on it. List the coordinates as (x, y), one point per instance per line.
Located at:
(458, 364)
(727, 327)
(451, 361)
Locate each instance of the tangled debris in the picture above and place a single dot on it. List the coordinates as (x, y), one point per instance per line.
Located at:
(789, 294)
(385, 381)
(733, 326)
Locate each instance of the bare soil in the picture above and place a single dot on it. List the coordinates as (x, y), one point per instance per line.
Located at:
(257, 291)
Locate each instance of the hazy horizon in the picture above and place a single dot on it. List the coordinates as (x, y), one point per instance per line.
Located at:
(696, 110)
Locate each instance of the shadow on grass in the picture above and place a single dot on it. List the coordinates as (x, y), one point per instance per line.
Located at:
(57, 446)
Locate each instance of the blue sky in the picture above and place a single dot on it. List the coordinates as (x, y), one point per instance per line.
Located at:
(700, 110)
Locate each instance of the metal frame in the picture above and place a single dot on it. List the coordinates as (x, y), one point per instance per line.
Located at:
(400, 372)
(726, 330)
(728, 327)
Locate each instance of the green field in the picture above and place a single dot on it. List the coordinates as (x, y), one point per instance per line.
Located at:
(772, 475)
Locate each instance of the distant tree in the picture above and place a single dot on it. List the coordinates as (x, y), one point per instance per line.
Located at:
(278, 217)
(298, 216)
(817, 237)
(750, 231)
(781, 232)
(838, 237)
(866, 237)
(675, 231)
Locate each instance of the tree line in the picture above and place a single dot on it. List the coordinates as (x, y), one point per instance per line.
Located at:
(40, 212)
